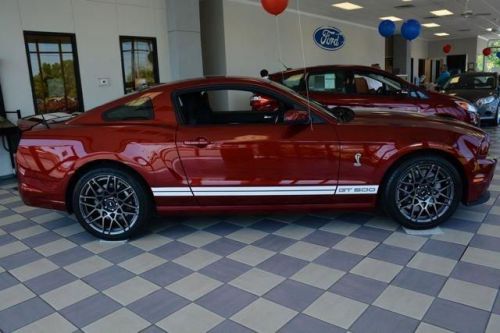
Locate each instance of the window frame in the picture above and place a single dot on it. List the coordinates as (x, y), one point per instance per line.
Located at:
(156, 72)
(76, 64)
(317, 119)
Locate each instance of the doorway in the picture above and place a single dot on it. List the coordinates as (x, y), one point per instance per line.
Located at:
(53, 65)
(456, 63)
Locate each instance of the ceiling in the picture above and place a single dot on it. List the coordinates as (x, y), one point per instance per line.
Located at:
(456, 25)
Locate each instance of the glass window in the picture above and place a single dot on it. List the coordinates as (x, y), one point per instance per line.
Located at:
(140, 108)
(330, 82)
(376, 84)
(232, 107)
(487, 82)
(139, 62)
(54, 72)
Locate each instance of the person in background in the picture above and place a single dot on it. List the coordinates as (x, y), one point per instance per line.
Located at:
(443, 77)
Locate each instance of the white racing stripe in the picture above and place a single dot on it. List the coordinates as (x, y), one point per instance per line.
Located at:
(238, 191)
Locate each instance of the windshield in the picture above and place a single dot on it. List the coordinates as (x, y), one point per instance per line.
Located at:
(480, 81)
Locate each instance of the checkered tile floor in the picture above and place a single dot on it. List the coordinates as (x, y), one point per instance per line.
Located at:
(288, 273)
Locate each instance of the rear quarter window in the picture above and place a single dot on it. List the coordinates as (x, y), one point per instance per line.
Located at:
(137, 109)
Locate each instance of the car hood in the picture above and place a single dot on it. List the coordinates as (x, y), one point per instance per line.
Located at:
(384, 118)
(469, 94)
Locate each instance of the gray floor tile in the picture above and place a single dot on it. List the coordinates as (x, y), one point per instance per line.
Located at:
(371, 234)
(276, 316)
(323, 238)
(90, 310)
(225, 269)
(486, 242)
(443, 249)
(274, 243)
(7, 280)
(375, 319)
(23, 314)
(178, 231)
(283, 265)
(478, 274)
(166, 274)
(420, 281)
(229, 326)
(158, 305)
(224, 246)
(339, 260)
(121, 253)
(172, 250)
(50, 281)
(20, 259)
(226, 300)
(294, 295)
(223, 228)
(268, 225)
(304, 323)
(456, 317)
(393, 254)
(153, 329)
(108, 277)
(41, 239)
(70, 256)
(358, 288)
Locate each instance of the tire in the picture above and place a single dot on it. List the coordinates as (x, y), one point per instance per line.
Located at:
(422, 192)
(111, 204)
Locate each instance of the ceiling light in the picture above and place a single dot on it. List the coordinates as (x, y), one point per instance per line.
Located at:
(441, 34)
(442, 12)
(391, 18)
(347, 6)
(407, 0)
(431, 25)
(489, 29)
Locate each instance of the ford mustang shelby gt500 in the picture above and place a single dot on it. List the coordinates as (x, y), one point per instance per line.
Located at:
(198, 146)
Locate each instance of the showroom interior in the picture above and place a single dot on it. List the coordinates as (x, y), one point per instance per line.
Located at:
(252, 270)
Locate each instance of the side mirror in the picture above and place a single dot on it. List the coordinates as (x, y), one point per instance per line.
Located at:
(296, 117)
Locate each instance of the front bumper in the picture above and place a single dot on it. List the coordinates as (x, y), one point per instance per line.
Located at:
(480, 179)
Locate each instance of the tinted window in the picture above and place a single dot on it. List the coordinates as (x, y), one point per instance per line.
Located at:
(231, 107)
(138, 109)
(471, 82)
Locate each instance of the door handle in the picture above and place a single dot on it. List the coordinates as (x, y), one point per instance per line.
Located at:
(198, 142)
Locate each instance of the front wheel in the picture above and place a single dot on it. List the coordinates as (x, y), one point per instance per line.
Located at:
(111, 204)
(423, 192)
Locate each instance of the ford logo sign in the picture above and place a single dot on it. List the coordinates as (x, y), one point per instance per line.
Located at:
(329, 38)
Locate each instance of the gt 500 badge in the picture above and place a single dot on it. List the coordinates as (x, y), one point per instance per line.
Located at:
(357, 190)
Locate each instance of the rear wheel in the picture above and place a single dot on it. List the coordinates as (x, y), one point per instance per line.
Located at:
(111, 204)
(423, 192)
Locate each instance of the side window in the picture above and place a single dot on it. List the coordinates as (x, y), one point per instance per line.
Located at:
(376, 84)
(140, 108)
(231, 106)
(330, 82)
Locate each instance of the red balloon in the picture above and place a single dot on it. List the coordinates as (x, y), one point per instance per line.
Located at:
(487, 52)
(274, 7)
(447, 48)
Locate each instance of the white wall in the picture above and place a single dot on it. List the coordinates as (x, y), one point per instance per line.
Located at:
(251, 41)
(467, 46)
(97, 25)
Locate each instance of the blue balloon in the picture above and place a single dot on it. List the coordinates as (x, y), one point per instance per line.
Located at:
(498, 54)
(387, 28)
(411, 29)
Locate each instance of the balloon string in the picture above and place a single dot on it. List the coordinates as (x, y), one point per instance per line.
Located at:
(304, 62)
(278, 37)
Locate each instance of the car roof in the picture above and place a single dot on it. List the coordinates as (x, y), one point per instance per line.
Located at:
(326, 67)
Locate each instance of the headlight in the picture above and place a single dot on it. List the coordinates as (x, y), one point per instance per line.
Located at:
(466, 106)
(486, 100)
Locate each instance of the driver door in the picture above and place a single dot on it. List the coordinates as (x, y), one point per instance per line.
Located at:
(242, 155)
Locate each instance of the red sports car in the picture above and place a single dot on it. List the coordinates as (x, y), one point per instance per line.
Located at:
(197, 146)
(363, 88)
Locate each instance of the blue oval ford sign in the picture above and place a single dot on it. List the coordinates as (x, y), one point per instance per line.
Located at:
(329, 38)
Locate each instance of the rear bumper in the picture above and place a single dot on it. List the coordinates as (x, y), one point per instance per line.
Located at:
(480, 179)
